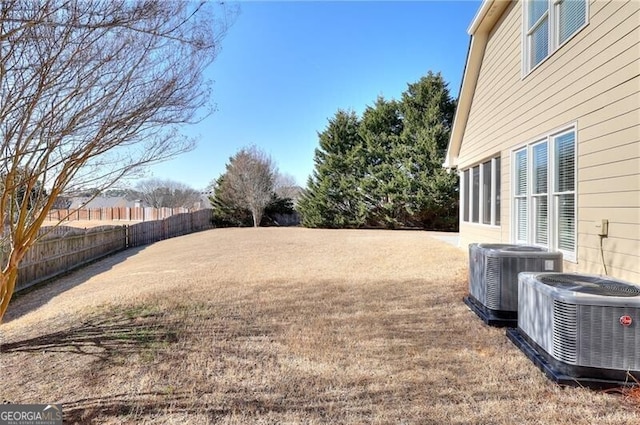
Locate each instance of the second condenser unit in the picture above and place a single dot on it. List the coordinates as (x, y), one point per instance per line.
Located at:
(580, 329)
(493, 278)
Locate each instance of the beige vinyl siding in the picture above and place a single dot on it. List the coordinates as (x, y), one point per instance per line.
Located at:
(552, 95)
(621, 134)
(472, 232)
(618, 255)
(622, 183)
(619, 218)
(615, 197)
(593, 161)
(592, 82)
(622, 167)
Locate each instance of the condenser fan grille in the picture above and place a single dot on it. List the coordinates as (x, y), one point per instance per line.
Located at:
(590, 285)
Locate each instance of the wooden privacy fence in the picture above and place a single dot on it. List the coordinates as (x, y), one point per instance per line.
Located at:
(176, 225)
(115, 213)
(63, 248)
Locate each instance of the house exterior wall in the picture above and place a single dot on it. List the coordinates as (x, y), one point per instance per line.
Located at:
(592, 82)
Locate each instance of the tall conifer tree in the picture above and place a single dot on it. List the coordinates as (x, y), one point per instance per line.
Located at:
(428, 110)
(385, 183)
(385, 170)
(333, 196)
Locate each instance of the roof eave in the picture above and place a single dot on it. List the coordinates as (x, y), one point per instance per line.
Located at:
(482, 24)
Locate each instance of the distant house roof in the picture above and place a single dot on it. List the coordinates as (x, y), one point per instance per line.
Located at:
(101, 202)
(482, 24)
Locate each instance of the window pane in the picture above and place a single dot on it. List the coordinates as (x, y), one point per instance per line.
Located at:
(541, 213)
(565, 162)
(521, 172)
(486, 192)
(566, 222)
(521, 219)
(571, 16)
(497, 194)
(539, 39)
(467, 195)
(475, 210)
(537, 8)
(540, 167)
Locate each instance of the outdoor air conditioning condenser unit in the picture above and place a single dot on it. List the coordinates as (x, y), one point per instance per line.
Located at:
(493, 278)
(580, 329)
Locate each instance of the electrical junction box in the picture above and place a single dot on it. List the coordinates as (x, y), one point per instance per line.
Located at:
(602, 227)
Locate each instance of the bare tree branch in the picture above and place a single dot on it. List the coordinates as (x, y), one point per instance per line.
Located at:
(287, 187)
(90, 91)
(160, 193)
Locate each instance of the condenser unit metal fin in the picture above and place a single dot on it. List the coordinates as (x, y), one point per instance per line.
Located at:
(565, 332)
(493, 282)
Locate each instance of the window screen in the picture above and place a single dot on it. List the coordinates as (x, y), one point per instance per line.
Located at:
(487, 196)
(571, 16)
(475, 203)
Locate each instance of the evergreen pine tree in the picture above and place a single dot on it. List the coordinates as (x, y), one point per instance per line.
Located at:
(428, 111)
(386, 169)
(385, 183)
(333, 195)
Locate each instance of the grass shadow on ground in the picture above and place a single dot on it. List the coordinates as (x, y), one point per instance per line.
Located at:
(129, 407)
(106, 337)
(183, 404)
(87, 410)
(36, 296)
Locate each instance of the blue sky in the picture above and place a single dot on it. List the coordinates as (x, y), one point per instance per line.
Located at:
(285, 68)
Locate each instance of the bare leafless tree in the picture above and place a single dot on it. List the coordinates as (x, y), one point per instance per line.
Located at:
(286, 187)
(90, 91)
(249, 181)
(159, 193)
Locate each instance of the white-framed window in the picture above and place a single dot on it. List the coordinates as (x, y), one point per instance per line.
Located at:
(520, 197)
(547, 25)
(480, 193)
(540, 193)
(564, 191)
(544, 198)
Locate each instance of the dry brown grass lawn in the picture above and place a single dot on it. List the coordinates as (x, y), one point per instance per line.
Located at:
(280, 326)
